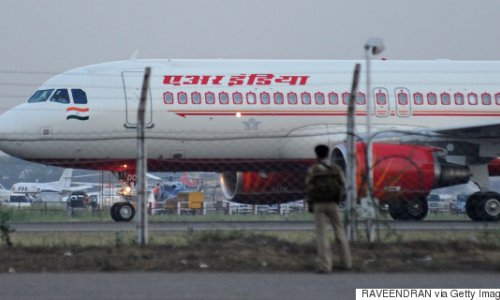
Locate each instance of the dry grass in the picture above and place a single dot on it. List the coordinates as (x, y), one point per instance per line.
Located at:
(242, 251)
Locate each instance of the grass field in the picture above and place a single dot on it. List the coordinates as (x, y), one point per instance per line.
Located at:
(243, 251)
(62, 215)
(239, 250)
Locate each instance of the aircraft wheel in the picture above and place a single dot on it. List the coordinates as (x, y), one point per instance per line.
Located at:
(489, 206)
(125, 211)
(471, 206)
(417, 208)
(397, 210)
(113, 211)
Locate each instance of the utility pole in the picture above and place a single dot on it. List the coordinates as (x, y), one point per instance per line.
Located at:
(141, 224)
(373, 46)
(351, 190)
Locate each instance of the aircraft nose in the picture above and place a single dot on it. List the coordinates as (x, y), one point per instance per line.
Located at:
(15, 128)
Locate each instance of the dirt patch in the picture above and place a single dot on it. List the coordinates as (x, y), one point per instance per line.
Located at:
(226, 252)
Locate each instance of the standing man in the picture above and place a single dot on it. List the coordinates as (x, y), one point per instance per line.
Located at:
(325, 189)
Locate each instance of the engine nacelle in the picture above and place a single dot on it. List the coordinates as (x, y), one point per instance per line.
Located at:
(262, 188)
(402, 171)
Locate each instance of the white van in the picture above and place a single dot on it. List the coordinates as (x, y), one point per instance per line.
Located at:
(18, 200)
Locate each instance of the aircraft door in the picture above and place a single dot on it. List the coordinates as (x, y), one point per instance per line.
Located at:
(403, 103)
(132, 85)
(381, 102)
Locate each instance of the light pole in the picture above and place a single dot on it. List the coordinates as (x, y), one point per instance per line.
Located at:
(373, 46)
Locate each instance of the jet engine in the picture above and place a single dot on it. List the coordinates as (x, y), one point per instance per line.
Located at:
(403, 175)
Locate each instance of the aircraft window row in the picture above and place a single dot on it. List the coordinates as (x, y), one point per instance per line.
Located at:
(264, 98)
(59, 96)
(457, 98)
(381, 98)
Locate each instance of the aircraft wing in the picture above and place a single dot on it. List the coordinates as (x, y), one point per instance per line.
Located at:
(486, 131)
(81, 187)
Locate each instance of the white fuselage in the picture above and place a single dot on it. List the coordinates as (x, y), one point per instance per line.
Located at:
(189, 118)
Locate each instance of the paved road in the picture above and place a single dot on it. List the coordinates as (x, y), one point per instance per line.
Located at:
(220, 286)
(255, 225)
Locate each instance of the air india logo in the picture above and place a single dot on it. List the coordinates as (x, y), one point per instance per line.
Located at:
(77, 113)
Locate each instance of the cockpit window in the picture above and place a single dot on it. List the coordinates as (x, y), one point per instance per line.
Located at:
(79, 96)
(60, 96)
(40, 96)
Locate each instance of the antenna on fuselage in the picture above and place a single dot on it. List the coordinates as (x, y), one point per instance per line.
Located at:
(134, 55)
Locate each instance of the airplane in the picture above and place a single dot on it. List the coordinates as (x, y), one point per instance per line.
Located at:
(257, 121)
(60, 186)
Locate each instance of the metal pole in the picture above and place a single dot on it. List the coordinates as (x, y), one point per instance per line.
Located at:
(351, 191)
(141, 224)
(372, 47)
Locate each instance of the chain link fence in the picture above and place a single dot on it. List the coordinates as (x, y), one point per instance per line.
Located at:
(246, 152)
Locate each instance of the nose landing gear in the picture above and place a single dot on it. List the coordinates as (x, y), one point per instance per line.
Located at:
(122, 211)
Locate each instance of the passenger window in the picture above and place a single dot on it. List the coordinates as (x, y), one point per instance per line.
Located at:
(223, 98)
(79, 96)
(251, 98)
(40, 96)
(445, 99)
(265, 98)
(381, 99)
(361, 99)
(459, 99)
(486, 99)
(472, 98)
(278, 98)
(418, 99)
(60, 96)
(182, 98)
(306, 98)
(237, 98)
(292, 98)
(210, 98)
(432, 99)
(319, 98)
(333, 98)
(497, 98)
(345, 98)
(168, 98)
(196, 98)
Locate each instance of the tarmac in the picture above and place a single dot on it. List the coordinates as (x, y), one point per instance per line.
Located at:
(220, 286)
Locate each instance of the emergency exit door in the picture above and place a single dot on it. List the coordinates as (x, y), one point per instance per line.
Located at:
(132, 86)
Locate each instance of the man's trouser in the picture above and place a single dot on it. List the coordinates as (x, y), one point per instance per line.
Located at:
(324, 212)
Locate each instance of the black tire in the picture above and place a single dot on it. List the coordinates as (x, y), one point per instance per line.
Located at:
(113, 211)
(397, 210)
(488, 208)
(471, 206)
(417, 208)
(125, 212)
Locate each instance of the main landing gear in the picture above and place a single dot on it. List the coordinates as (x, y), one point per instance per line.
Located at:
(122, 211)
(483, 206)
(413, 209)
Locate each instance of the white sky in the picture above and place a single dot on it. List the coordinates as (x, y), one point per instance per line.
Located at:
(51, 36)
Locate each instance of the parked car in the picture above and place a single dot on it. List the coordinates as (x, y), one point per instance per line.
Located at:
(18, 200)
(458, 206)
(436, 204)
(78, 199)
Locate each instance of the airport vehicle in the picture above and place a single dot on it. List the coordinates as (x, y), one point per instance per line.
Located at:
(257, 121)
(18, 200)
(60, 186)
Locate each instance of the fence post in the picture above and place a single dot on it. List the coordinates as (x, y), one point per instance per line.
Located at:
(141, 168)
(350, 212)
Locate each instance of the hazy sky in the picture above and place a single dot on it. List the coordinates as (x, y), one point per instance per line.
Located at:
(43, 37)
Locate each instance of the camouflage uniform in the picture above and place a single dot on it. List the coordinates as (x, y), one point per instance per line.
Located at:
(324, 211)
